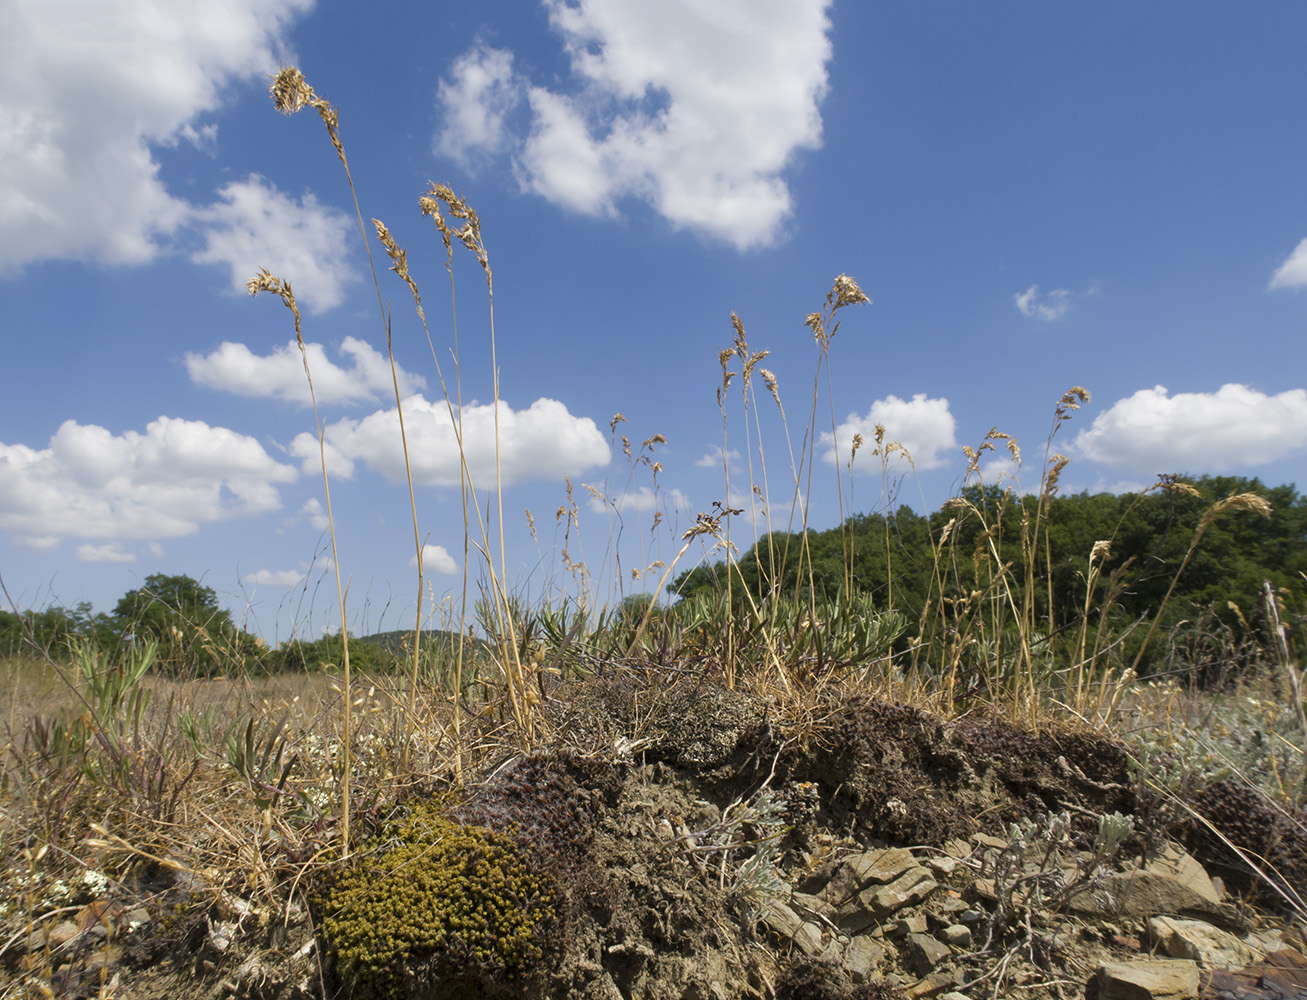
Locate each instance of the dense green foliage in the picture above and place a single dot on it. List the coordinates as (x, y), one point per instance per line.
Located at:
(917, 565)
(194, 635)
(428, 888)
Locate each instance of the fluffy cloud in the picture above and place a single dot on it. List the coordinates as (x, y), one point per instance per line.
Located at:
(1293, 272)
(641, 500)
(274, 577)
(695, 107)
(435, 559)
(315, 514)
(714, 458)
(476, 99)
(164, 483)
(235, 368)
(111, 553)
(85, 92)
(542, 441)
(1234, 427)
(923, 426)
(1053, 306)
(255, 225)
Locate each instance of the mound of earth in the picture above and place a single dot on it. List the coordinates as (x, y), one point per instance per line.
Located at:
(703, 849)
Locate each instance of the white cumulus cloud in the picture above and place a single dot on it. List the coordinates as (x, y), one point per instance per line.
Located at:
(476, 99)
(88, 90)
(315, 514)
(1293, 272)
(696, 107)
(542, 441)
(1050, 307)
(1200, 432)
(235, 368)
(255, 225)
(642, 500)
(274, 577)
(924, 426)
(435, 559)
(178, 475)
(111, 553)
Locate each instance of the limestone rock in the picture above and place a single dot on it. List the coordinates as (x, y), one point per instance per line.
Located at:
(854, 874)
(1144, 893)
(788, 926)
(957, 935)
(862, 957)
(924, 953)
(1172, 861)
(1171, 979)
(1209, 946)
(878, 902)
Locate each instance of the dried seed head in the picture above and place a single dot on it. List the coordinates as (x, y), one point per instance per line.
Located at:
(656, 439)
(857, 443)
(1073, 397)
(290, 91)
(816, 322)
(1057, 464)
(1101, 550)
(769, 380)
(848, 293)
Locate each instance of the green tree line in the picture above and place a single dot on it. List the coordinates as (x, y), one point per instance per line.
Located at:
(926, 566)
(196, 636)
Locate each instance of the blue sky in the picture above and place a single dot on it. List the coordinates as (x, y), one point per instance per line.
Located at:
(1034, 196)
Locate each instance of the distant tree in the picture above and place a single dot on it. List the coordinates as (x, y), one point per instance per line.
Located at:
(196, 635)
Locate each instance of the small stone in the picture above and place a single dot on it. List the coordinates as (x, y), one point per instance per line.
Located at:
(955, 995)
(915, 924)
(1172, 861)
(957, 848)
(833, 953)
(924, 953)
(861, 870)
(807, 906)
(862, 957)
(931, 986)
(787, 925)
(971, 916)
(956, 936)
(1209, 946)
(1160, 980)
(943, 867)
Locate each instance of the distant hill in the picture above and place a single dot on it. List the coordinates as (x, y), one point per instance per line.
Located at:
(396, 640)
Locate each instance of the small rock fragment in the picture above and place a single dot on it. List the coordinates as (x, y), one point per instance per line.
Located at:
(862, 956)
(1159, 980)
(787, 925)
(1209, 946)
(957, 935)
(924, 953)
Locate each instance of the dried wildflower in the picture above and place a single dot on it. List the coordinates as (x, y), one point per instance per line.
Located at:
(847, 292)
(291, 93)
(399, 262)
(266, 281)
(769, 380)
(1101, 550)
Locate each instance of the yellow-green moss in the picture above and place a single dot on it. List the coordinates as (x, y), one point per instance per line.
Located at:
(426, 886)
